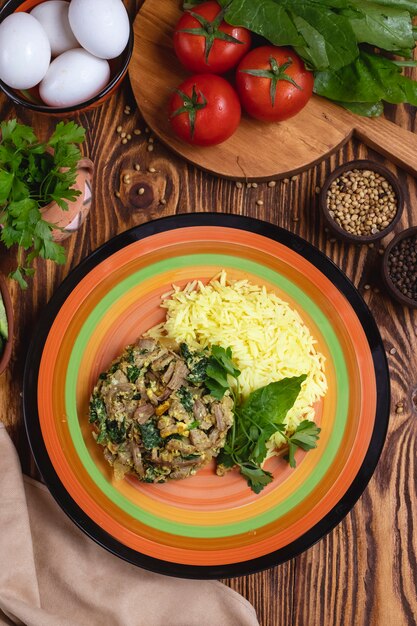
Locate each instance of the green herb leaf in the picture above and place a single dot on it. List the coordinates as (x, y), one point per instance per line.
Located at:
(305, 436)
(256, 477)
(370, 79)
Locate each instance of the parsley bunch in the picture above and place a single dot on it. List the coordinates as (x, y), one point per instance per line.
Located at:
(33, 174)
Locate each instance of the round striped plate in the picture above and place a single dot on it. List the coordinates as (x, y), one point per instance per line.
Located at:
(206, 526)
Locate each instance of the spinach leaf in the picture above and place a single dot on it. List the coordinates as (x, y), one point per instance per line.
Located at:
(388, 27)
(367, 109)
(370, 79)
(271, 404)
(267, 18)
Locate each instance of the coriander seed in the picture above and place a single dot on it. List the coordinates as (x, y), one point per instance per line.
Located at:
(362, 202)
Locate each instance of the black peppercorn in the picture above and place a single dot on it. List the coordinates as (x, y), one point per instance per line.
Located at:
(402, 266)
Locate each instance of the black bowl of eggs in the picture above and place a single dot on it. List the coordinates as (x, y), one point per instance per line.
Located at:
(61, 57)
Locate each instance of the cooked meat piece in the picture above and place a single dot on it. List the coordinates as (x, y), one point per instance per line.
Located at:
(207, 422)
(109, 456)
(164, 395)
(178, 377)
(199, 410)
(216, 437)
(180, 462)
(167, 375)
(162, 362)
(146, 344)
(120, 376)
(183, 472)
(137, 460)
(143, 413)
(177, 410)
(151, 357)
(223, 416)
(199, 439)
(141, 387)
(181, 446)
(124, 454)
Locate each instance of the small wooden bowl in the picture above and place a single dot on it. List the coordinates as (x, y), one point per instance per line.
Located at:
(362, 164)
(389, 284)
(7, 351)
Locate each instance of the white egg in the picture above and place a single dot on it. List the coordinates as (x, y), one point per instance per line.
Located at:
(25, 52)
(53, 16)
(74, 77)
(101, 26)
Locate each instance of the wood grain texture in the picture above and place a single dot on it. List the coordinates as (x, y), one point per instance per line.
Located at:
(364, 573)
(257, 151)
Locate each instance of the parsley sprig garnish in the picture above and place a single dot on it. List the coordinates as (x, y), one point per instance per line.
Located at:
(33, 174)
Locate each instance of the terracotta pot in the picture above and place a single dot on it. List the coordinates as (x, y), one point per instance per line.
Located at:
(7, 351)
(70, 221)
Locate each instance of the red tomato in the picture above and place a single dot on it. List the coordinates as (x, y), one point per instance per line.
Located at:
(273, 83)
(204, 110)
(212, 46)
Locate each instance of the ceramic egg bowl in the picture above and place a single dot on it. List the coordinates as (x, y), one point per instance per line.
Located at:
(30, 98)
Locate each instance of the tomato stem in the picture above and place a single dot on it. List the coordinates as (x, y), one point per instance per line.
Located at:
(190, 106)
(275, 74)
(210, 30)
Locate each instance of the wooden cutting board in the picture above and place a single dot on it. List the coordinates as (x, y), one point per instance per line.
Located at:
(257, 151)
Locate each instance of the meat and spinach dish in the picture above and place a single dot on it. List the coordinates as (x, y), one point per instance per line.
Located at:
(154, 414)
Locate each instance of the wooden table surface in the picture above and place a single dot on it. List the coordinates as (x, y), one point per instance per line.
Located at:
(364, 573)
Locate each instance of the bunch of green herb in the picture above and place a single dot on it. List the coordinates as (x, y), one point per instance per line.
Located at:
(337, 40)
(256, 418)
(259, 417)
(33, 174)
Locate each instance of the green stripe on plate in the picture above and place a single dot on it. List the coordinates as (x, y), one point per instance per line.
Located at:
(304, 302)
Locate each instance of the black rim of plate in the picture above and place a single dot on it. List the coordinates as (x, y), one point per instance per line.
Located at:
(317, 532)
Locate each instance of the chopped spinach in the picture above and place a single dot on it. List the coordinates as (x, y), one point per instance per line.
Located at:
(130, 356)
(98, 411)
(150, 435)
(116, 431)
(132, 373)
(198, 369)
(194, 424)
(186, 398)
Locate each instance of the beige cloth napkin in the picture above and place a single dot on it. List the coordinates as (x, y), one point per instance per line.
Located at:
(51, 574)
